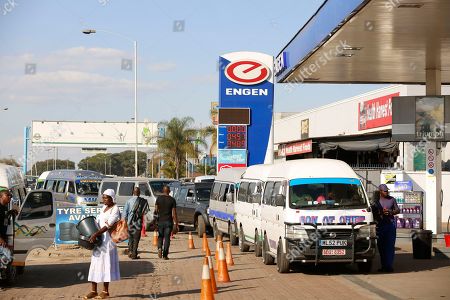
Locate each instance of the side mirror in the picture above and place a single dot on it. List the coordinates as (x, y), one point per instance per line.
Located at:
(279, 200)
(230, 197)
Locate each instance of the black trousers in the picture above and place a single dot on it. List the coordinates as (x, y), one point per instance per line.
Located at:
(134, 236)
(164, 230)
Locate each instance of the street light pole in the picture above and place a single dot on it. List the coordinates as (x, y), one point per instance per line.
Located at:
(91, 31)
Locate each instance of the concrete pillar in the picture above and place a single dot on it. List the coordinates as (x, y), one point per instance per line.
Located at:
(432, 205)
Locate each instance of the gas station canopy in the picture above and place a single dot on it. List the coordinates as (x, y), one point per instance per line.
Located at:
(370, 41)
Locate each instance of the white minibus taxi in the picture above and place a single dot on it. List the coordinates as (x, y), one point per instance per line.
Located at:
(316, 211)
(248, 207)
(221, 212)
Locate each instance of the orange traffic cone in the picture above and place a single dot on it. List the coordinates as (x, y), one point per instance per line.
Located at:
(143, 232)
(222, 269)
(155, 238)
(205, 242)
(229, 259)
(207, 291)
(211, 270)
(191, 241)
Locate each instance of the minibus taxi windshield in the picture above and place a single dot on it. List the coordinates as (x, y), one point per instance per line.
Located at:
(326, 193)
(85, 188)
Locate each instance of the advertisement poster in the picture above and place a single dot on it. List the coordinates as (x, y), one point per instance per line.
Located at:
(375, 112)
(67, 219)
(430, 118)
(304, 129)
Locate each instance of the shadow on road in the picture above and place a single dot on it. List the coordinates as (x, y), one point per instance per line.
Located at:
(62, 275)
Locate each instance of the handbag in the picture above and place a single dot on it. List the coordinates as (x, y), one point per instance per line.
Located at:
(119, 231)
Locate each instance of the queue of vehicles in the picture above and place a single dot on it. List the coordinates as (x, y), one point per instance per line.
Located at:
(307, 211)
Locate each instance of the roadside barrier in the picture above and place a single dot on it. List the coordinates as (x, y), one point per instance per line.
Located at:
(219, 239)
(207, 291)
(229, 258)
(191, 241)
(211, 270)
(222, 269)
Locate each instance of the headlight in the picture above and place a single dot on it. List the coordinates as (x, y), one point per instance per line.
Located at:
(296, 232)
(367, 231)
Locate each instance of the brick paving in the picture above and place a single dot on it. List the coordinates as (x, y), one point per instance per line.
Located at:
(62, 274)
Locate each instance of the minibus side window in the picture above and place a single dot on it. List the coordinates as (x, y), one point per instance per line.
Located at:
(223, 191)
(37, 206)
(144, 189)
(109, 185)
(230, 190)
(50, 185)
(276, 191)
(251, 193)
(71, 188)
(267, 199)
(242, 196)
(61, 188)
(215, 191)
(126, 189)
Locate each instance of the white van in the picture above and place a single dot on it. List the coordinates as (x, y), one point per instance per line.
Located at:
(41, 180)
(248, 207)
(221, 212)
(12, 179)
(74, 187)
(316, 211)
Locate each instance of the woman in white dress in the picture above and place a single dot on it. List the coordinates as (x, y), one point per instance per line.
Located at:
(105, 260)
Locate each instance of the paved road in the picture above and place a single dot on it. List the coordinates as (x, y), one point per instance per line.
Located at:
(62, 274)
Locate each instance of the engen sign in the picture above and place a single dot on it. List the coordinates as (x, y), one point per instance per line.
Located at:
(246, 81)
(375, 112)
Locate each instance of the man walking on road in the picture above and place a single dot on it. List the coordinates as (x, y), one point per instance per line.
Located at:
(166, 214)
(134, 210)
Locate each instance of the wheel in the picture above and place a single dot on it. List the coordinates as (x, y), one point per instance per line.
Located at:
(201, 226)
(267, 258)
(243, 247)
(232, 234)
(365, 267)
(282, 261)
(258, 245)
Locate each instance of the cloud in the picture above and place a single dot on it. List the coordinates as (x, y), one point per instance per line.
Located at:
(162, 67)
(71, 75)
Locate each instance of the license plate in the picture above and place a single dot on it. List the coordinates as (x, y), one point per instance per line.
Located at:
(333, 243)
(333, 252)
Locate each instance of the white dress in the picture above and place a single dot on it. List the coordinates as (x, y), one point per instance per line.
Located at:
(105, 260)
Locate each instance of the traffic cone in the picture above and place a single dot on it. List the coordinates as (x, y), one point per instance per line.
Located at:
(207, 290)
(205, 242)
(222, 269)
(191, 241)
(143, 231)
(155, 238)
(229, 259)
(211, 270)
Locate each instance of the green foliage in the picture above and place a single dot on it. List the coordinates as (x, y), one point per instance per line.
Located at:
(48, 165)
(120, 164)
(180, 140)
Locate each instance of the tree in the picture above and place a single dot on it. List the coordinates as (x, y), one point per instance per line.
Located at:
(48, 165)
(177, 144)
(121, 164)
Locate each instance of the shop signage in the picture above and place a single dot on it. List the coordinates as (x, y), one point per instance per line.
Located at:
(280, 63)
(305, 129)
(403, 185)
(375, 112)
(295, 148)
(220, 167)
(234, 156)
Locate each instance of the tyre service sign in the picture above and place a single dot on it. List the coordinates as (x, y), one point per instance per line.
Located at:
(246, 81)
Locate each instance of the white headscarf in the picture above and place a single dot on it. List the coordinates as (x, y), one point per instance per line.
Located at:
(111, 193)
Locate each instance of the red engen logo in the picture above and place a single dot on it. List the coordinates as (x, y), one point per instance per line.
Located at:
(247, 72)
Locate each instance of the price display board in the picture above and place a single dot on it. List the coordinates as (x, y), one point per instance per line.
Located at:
(232, 137)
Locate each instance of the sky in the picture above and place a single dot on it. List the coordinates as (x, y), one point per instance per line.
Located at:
(78, 77)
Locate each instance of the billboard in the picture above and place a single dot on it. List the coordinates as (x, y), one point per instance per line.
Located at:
(430, 118)
(295, 148)
(93, 134)
(246, 81)
(375, 112)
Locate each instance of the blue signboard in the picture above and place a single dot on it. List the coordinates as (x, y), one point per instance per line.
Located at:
(235, 156)
(246, 81)
(403, 185)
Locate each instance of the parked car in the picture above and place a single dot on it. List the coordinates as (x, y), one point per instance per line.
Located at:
(192, 203)
(150, 188)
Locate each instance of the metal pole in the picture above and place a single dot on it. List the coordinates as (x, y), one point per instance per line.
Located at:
(152, 163)
(135, 111)
(205, 163)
